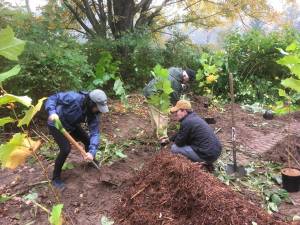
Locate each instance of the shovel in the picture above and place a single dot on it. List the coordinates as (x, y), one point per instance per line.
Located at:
(60, 127)
(238, 171)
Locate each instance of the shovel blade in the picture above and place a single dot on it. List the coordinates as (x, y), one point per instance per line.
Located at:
(237, 171)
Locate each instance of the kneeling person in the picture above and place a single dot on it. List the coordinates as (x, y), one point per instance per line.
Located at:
(196, 139)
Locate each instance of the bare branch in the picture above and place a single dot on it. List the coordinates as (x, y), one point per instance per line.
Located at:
(78, 18)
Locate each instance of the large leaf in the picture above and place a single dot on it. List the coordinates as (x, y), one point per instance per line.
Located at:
(15, 152)
(5, 120)
(56, 215)
(161, 72)
(6, 149)
(118, 87)
(295, 69)
(292, 83)
(31, 113)
(289, 60)
(4, 198)
(292, 47)
(12, 72)
(282, 93)
(9, 98)
(10, 47)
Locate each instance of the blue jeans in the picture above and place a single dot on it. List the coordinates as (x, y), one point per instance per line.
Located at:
(187, 151)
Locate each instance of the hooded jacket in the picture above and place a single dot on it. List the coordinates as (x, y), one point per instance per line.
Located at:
(71, 109)
(175, 77)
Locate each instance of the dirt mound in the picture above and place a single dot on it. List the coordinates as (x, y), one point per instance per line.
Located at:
(280, 155)
(172, 190)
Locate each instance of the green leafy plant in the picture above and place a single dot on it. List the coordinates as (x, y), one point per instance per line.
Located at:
(252, 59)
(262, 178)
(4, 198)
(110, 152)
(14, 152)
(163, 89)
(68, 166)
(211, 68)
(291, 91)
(56, 215)
(107, 70)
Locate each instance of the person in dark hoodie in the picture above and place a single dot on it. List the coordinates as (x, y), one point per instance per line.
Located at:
(178, 77)
(195, 139)
(74, 108)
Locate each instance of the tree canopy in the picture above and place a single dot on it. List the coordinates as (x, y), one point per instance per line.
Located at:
(114, 17)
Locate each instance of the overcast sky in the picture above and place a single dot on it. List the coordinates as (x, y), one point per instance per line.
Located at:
(198, 36)
(277, 4)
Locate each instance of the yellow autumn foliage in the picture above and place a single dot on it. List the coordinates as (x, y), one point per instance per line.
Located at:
(211, 78)
(21, 153)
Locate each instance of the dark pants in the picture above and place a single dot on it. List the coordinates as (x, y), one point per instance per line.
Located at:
(64, 146)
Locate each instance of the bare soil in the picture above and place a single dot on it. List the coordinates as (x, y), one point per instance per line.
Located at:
(90, 194)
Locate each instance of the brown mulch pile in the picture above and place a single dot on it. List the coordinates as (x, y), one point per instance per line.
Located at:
(279, 153)
(172, 190)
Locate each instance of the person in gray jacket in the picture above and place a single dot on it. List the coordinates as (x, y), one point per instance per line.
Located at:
(178, 78)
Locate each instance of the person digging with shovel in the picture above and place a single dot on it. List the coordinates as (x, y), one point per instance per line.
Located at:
(72, 109)
(195, 139)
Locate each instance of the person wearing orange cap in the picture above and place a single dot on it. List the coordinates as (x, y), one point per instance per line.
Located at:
(195, 139)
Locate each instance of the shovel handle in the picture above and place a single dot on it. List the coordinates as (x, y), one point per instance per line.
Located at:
(75, 143)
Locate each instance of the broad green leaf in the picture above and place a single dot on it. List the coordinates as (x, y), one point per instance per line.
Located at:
(10, 47)
(295, 69)
(30, 113)
(7, 148)
(118, 87)
(9, 98)
(56, 215)
(12, 72)
(68, 166)
(120, 154)
(16, 151)
(161, 72)
(292, 83)
(282, 93)
(200, 75)
(289, 60)
(167, 88)
(6, 120)
(276, 199)
(4, 198)
(106, 221)
(292, 47)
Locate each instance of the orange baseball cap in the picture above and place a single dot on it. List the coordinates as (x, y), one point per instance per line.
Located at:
(181, 104)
